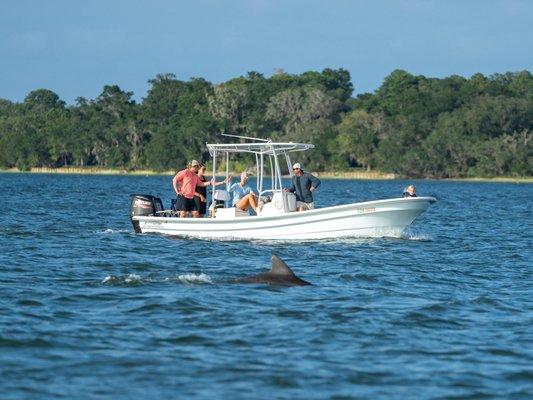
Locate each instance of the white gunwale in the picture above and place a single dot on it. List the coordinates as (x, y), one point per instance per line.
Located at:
(277, 219)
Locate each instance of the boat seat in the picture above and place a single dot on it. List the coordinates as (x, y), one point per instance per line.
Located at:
(230, 212)
(158, 205)
(222, 195)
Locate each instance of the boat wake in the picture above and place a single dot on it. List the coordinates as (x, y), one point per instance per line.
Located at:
(393, 235)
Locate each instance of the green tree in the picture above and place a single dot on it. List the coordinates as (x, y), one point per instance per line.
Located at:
(291, 109)
(358, 138)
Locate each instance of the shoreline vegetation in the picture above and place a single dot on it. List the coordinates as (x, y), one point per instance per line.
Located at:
(356, 175)
(411, 126)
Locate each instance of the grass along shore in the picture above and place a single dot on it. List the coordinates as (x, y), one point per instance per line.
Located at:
(117, 171)
(376, 175)
(88, 171)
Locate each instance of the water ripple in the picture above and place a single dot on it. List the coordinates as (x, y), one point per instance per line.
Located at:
(89, 309)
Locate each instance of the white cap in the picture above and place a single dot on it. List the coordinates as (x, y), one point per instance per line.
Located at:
(297, 165)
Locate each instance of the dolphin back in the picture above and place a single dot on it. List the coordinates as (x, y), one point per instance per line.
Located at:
(279, 274)
(279, 267)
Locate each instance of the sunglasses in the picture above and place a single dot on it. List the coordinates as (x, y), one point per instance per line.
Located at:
(295, 169)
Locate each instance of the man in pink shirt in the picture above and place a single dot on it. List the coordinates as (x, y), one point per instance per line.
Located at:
(184, 184)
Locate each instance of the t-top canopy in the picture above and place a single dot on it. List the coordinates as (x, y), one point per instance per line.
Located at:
(269, 148)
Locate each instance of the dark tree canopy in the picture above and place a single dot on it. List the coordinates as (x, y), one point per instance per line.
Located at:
(412, 125)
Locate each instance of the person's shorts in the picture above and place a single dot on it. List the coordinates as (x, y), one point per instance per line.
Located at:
(185, 204)
(200, 206)
(305, 206)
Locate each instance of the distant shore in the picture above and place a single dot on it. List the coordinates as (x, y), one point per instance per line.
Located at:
(89, 171)
(368, 175)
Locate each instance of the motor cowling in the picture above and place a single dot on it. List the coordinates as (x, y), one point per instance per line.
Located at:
(144, 205)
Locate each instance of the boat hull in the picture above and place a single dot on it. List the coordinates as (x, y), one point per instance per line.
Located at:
(368, 219)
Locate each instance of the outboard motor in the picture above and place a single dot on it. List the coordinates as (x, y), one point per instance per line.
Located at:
(144, 205)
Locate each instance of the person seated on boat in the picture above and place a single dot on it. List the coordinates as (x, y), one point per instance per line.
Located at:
(303, 186)
(184, 184)
(243, 195)
(409, 191)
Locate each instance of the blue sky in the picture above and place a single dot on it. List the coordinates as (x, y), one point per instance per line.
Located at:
(76, 47)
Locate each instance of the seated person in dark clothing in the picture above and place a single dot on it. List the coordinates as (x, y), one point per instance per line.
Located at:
(410, 191)
(303, 185)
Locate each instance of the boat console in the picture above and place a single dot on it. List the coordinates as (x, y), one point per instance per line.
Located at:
(280, 202)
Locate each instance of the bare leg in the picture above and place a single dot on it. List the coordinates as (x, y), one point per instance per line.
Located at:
(253, 202)
(247, 201)
(195, 214)
(243, 203)
(183, 214)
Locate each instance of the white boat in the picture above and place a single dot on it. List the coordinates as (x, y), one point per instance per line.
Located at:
(277, 218)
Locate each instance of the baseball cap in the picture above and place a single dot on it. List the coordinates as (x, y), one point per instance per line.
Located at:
(194, 163)
(297, 165)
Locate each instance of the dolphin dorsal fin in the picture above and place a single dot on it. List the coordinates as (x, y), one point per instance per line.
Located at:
(279, 267)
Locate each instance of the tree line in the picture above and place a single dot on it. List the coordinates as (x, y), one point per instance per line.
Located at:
(412, 125)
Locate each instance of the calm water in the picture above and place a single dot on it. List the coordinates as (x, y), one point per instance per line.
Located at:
(446, 312)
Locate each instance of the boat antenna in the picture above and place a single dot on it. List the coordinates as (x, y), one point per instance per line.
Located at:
(246, 137)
